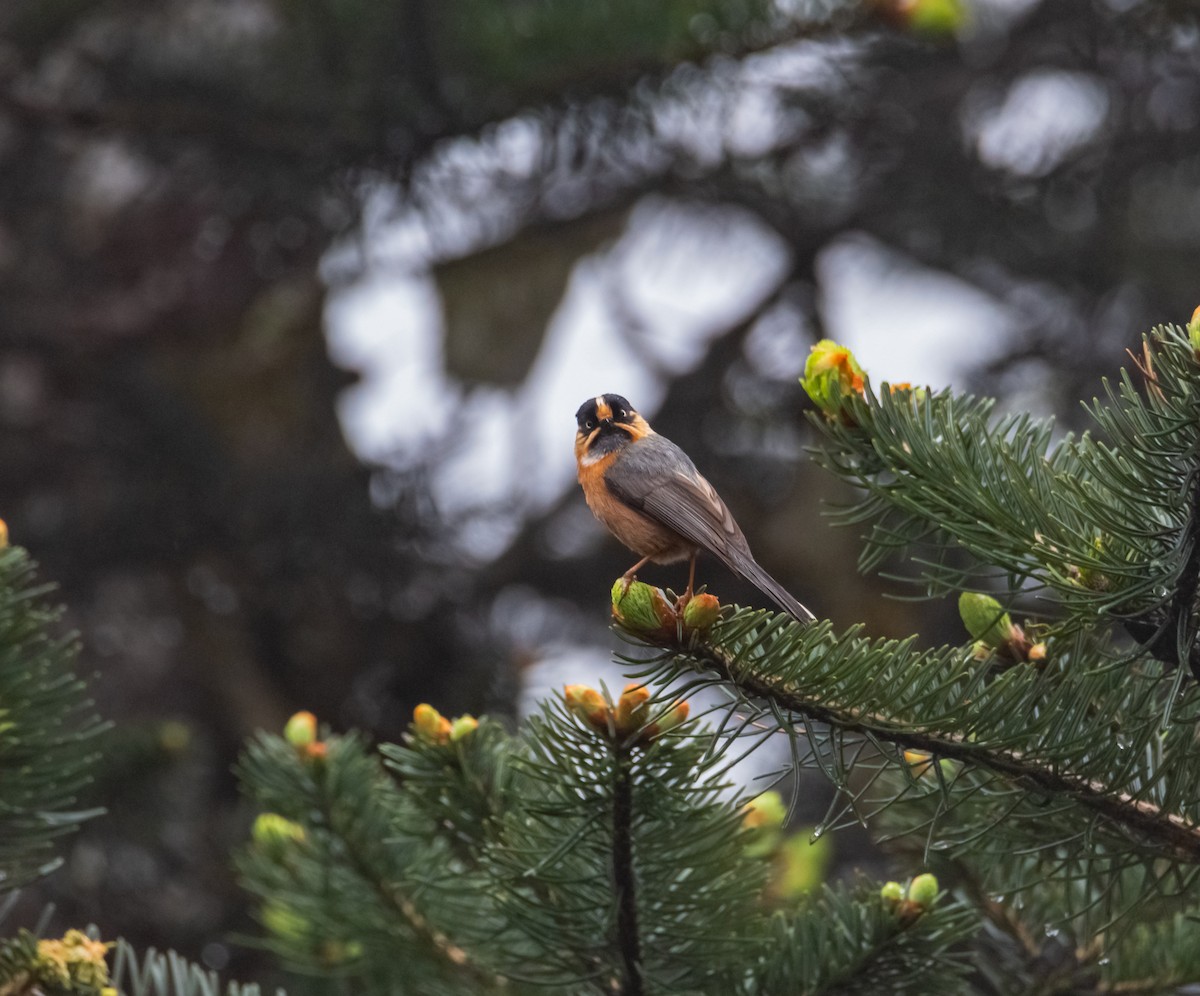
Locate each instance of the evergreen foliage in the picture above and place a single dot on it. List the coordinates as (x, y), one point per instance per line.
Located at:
(580, 855)
(48, 729)
(1045, 767)
(169, 974)
(48, 748)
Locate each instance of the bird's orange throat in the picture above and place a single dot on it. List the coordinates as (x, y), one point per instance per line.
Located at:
(593, 466)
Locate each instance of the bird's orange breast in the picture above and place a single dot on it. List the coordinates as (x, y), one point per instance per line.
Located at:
(591, 478)
(639, 532)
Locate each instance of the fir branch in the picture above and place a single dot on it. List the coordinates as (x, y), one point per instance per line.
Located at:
(48, 727)
(1168, 833)
(346, 875)
(843, 939)
(1112, 528)
(169, 974)
(389, 896)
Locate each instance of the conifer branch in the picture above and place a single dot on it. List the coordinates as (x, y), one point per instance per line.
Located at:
(427, 935)
(628, 938)
(1169, 832)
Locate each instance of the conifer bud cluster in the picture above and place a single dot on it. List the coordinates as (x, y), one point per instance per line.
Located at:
(831, 375)
(431, 726)
(629, 717)
(301, 733)
(995, 632)
(909, 903)
(646, 610)
(74, 963)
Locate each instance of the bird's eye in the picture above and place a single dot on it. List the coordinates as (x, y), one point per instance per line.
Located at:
(623, 413)
(589, 424)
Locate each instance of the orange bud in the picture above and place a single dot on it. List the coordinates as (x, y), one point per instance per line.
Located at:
(919, 762)
(3, 534)
(632, 710)
(588, 704)
(673, 717)
(831, 374)
(430, 724)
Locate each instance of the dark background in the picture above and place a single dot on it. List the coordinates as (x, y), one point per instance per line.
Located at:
(184, 188)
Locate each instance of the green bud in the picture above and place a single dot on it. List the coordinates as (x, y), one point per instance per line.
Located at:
(641, 607)
(985, 618)
(174, 736)
(301, 729)
(763, 817)
(936, 17)
(334, 953)
(923, 890)
(800, 863)
(891, 893)
(766, 810)
(284, 922)
(1193, 331)
(274, 834)
(463, 726)
(701, 612)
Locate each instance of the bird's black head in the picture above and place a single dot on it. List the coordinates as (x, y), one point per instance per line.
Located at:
(606, 423)
(605, 408)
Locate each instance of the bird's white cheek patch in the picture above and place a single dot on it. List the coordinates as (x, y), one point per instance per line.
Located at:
(590, 458)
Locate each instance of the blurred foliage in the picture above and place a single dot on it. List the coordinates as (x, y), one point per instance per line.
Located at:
(48, 729)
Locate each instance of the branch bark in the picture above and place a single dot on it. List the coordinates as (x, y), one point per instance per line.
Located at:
(628, 938)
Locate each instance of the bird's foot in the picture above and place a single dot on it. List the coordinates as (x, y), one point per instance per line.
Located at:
(682, 600)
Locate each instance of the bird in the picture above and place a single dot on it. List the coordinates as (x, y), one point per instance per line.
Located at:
(651, 497)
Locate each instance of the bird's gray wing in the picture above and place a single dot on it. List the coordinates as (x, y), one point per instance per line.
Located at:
(656, 477)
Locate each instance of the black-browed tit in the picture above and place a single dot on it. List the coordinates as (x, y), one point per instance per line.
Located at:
(651, 497)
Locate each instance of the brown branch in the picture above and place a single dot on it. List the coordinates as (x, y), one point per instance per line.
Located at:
(628, 938)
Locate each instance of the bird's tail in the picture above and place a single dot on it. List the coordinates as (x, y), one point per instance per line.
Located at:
(752, 572)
